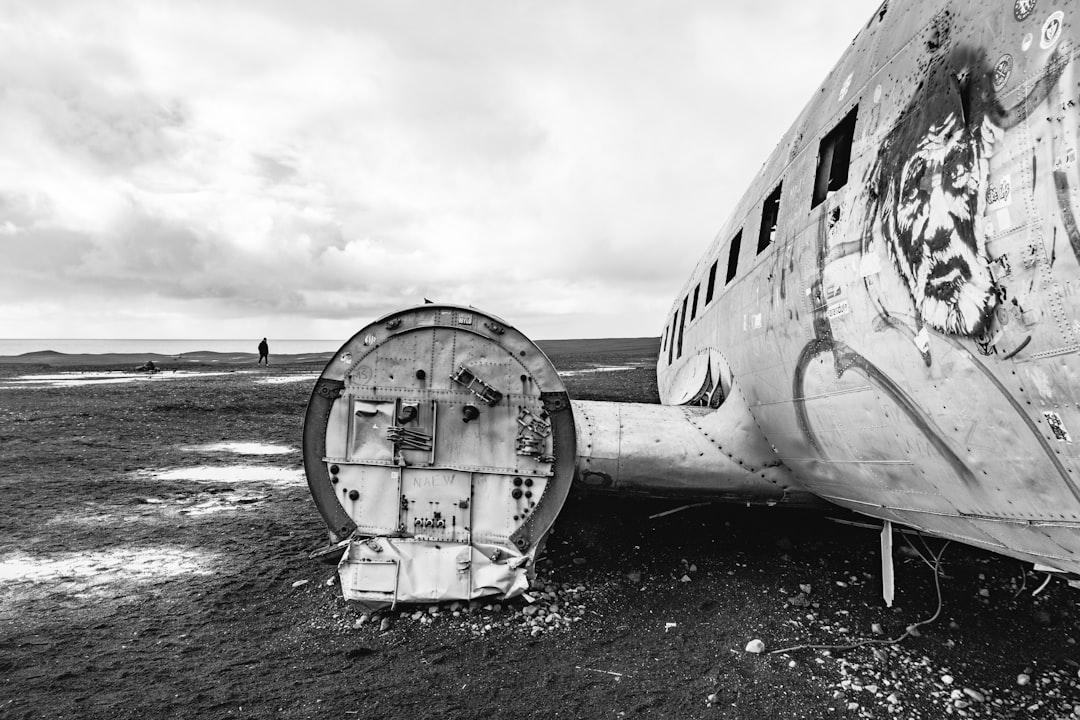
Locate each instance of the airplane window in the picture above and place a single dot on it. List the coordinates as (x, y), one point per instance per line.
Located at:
(682, 324)
(693, 310)
(663, 343)
(712, 283)
(834, 157)
(733, 257)
(671, 345)
(770, 213)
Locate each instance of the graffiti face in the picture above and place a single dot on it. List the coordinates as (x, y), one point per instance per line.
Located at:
(932, 229)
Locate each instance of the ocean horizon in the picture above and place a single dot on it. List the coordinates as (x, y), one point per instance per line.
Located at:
(170, 346)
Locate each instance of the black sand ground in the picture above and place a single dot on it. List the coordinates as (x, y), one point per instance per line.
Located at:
(125, 593)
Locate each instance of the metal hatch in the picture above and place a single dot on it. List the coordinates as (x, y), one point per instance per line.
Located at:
(439, 447)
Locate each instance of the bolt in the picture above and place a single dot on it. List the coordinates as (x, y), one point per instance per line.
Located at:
(469, 413)
(420, 374)
(334, 469)
(516, 493)
(354, 495)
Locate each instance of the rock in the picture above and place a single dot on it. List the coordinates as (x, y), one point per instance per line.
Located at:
(974, 695)
(913, 631)
(953, 625)
(841, 583)
(984, 593)
(386, 624)
(853, 706)
(529, 610)
(805, 587)
(947, 679)
(1023, 679)
(712, 699)
(893, 698)
(871, 689)
(877, 629)
(433, 609)
(418, 614)
(298, 583)
(579, 561)
(360, 621)
(634, 577)
(331, 580)
(692, 568)
(755, 646)
(792, 663)
(799, 600)
(684, 578)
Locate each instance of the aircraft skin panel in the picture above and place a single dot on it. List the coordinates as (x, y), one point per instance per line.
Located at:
(908, 341)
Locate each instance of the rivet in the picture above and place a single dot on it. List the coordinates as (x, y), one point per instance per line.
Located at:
(354, 495)
(334, 469)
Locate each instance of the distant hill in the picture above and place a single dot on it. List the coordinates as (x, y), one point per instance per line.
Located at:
(565, 354)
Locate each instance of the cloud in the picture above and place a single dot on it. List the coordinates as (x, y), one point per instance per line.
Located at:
(305, 168)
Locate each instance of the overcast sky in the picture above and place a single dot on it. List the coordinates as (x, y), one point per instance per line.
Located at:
(295, 169)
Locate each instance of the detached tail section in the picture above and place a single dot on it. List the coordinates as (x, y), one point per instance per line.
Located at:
(440, 445)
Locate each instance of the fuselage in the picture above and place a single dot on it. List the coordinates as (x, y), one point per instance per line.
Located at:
(895, 296)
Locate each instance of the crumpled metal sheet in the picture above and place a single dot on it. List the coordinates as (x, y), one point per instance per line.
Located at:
(386, 571)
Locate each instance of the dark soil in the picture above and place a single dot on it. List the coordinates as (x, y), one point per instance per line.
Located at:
(124, 594)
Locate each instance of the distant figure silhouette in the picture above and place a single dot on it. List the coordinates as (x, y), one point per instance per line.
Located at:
(264, 352)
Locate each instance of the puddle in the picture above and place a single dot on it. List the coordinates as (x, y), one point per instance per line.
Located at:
(263, 474)
(242, 448)
(77, 379)
(586, 371)
(83, 572)
(154, 510)
(285, 379)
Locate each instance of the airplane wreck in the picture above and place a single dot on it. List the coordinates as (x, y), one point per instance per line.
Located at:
(889, 322)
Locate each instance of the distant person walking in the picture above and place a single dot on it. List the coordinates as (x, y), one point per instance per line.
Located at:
(264, 352)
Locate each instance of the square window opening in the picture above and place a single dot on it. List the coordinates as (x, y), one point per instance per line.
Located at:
(693, 309)
(770, 214)
(712, 283)
(834, 158)
(733, 257)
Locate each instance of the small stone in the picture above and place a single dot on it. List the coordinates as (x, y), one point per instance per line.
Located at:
(953, 625)
(298, 583)
(805, 587)
(755, 646)
(975, 695)
(692, 568)
(877, 629)
(871, 689)
(841, 583)
(360, 621)
(386, 624)
(913, 631)
(712, 699)
(579, 561)
(984, 593)
(634, 577)
(892, 699)
(418, 614)
(684, 578)
(529, 610)
(947, 679)
(331, 580)
(792, 663)
(853, 706)
(1023, 679)
(535, 631)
